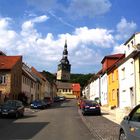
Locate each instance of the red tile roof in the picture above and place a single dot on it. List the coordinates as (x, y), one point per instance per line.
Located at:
(76, 87)
(38, 74)
(63, 85)
(7, 62)
(114, 56)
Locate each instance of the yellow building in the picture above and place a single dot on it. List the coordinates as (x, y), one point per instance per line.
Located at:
(113, 88)
(113, 85)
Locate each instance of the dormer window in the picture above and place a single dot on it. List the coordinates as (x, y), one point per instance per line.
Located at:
(128, 47)
(132, 43)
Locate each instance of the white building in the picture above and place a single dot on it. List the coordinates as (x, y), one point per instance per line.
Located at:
(127, 81)
(86, 92)
(94, 89)
(104, 90)
(131, 44)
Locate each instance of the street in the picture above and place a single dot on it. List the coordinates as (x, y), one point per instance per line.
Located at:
(63, 121)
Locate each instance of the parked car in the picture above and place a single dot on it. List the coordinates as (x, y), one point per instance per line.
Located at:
(13, 108)
(130, 125)
(59, 98)
(62, 98)
(56, 99)
(38, 104)
(48, 101)
(91, 107)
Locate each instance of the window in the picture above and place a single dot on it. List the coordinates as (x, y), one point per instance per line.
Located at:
(31, 84)
(2, 79)
(112, 76)
(128, 47)
(136, 115)
(132, 43)
(131, 67)
(113, 94)
(116, 74)
(123, 73)
(109, 79)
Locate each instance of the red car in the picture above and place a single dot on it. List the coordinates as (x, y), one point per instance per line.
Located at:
(81, 103)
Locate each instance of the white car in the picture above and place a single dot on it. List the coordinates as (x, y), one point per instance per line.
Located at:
(130, 125)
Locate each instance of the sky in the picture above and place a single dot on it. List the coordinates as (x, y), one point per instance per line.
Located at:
(37, 30)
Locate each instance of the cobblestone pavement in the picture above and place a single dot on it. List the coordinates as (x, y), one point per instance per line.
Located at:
(101, 127)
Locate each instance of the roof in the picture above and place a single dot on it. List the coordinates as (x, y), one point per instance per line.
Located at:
(99, 72)
(131, 55)
(63, 85)
(114, 56)
(131, 38)
(7, 62)
(76, 87)
(37, 73)
(27, 71)
(115, 65)
(2, 53)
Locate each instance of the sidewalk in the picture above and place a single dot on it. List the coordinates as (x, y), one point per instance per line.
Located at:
(116, 115)
(104, 127)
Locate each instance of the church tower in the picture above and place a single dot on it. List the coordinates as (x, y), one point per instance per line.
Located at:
(63, 72)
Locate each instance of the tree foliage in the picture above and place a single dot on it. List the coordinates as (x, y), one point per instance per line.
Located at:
(82, 79)
(49, 76)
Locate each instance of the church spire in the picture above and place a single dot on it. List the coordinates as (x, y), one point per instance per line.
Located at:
(64, 59)
(64, 67)
(65, 52)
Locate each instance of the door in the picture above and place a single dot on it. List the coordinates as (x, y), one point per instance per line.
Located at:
(118, 98)
(132, 97)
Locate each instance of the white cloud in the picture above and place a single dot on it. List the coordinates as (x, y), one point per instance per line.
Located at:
(89, 8)
(78, 8)
(125, 29)
(4, 23)
(7, 36)
(98, 36)
(119, 49)
(43, 5)
(84, 45)
(40, 19)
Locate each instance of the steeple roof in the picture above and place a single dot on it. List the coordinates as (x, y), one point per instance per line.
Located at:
(64, 59)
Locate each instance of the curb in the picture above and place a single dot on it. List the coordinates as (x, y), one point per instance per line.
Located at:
(89, 126)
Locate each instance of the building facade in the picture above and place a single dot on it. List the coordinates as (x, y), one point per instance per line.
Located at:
(10, 77)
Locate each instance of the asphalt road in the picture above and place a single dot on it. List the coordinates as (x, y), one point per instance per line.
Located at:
(60, 122)
(63, 121)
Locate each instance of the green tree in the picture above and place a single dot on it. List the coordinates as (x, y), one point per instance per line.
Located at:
(82, 79)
